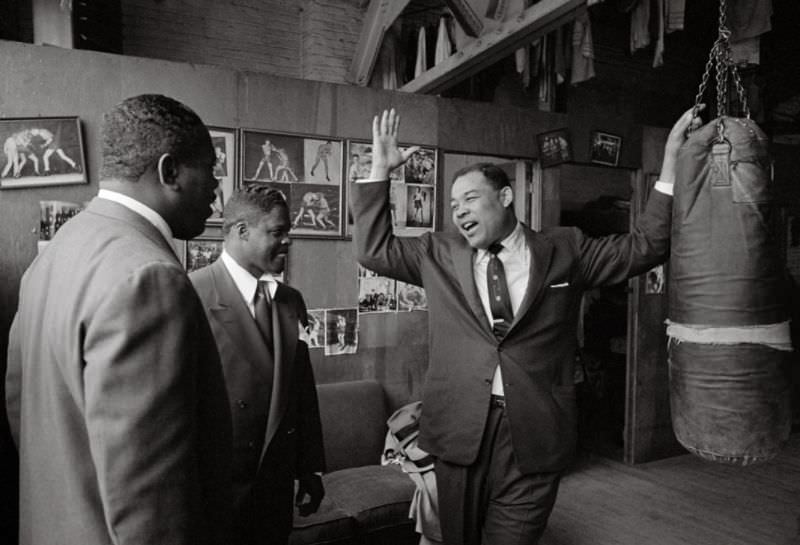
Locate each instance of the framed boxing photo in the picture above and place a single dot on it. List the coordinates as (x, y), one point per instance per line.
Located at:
(605, 148)
(42, 151)
(224, 142)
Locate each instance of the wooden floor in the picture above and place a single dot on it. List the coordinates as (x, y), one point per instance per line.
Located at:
(679, 501)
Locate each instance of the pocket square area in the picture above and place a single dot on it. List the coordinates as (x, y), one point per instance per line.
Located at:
(561, 285)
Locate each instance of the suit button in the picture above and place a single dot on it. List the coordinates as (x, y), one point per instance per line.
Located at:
(251, 444)
(242, 403)
(487, 380)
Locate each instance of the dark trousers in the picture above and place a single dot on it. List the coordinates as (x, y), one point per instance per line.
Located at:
(491, 502)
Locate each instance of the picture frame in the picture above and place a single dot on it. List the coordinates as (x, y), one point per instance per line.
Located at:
(419, 175)
(224, 141)
(42, 151)
(554, 147)
(604, 148)
(308, 169)
(202, 251)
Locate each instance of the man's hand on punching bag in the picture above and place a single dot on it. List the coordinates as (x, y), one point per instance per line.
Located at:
(686, 123)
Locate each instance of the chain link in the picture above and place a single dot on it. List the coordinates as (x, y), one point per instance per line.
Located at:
(720, 59)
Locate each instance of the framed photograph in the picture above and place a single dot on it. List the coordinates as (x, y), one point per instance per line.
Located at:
(307, 169)
(554, 147)
(341, 331)
(42, 151)
(224, 142)
(605, 148)
(202, 251)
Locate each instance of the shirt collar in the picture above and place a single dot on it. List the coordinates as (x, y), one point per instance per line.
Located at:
(142, 209)
(245, 282)
(513, 243)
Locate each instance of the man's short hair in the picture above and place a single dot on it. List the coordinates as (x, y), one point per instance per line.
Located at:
(250, 204)
(496, 176)
(140, 129)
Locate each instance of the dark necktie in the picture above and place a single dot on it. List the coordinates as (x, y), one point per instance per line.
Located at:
(499, 300)
(263, 312)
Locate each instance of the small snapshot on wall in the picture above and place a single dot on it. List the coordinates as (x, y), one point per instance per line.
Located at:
(554, 148)
(202, 252)
(42, 151)
(307, 169)
(341, 331)
(605, 148)
(421, 167)
(52, 215)
(654, 281)
(315, 332)
(375, 293)
(224, 142)
(410, 297)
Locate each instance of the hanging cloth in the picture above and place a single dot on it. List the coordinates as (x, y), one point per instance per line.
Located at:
(675, 13)
(658, 57)
(560, 55)
(443, 47)
(749, 19)
(582, 49)
(386, 65)
(422, 54)
(640, 25)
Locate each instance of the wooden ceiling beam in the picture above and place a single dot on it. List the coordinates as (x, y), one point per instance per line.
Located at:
(466, 17)
(381, 14)
(482, 52)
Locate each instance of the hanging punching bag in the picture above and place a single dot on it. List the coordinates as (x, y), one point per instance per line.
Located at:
(728, 324)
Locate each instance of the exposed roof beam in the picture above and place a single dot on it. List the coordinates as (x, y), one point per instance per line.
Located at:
(495, 45)
(381, 14)
(466, 17)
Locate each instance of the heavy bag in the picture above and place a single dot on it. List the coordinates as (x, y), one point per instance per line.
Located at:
(728, 321)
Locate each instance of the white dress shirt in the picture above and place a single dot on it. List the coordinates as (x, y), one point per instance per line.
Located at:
(516, 259)
(142, 209)
(246, 283)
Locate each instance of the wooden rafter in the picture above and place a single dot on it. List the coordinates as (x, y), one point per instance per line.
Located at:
(495, 45)
(466, 17)
(381, 14)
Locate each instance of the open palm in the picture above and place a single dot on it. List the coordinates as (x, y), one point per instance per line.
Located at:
(386, 154)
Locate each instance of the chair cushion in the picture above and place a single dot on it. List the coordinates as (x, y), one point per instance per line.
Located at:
(328, 525)
(375, 496)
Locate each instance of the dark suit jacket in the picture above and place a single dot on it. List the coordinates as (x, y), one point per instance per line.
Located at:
(536, 356)
(275, 436)
(114, 392)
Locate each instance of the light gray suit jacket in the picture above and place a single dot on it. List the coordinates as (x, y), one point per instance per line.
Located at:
(114, 392)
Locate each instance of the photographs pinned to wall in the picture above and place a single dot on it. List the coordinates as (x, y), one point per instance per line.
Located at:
(605, 148)
(315, 209)
(42, 151)
(224, 142)
(307, 170)
(341, 331)
(315, 331)
(654, 281)
(322, 161)
(53, 215)
(375, 293)
(554, 147)
(421, 167)
(410, 297)
(202, 251)
(420, 170)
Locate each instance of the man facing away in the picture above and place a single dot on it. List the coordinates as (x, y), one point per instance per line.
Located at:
(114, 388)
(259, 324)
(498, 406)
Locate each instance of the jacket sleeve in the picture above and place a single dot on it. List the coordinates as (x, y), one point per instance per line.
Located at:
(376, 246)
(141, 397)
(310, 450)
(614, 258)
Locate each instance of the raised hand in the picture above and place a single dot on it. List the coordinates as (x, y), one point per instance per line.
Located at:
(386, 154)
(677, 136)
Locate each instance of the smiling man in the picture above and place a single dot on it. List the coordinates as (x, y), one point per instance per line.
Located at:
(114, 387)
(498, 405)
(259, 324)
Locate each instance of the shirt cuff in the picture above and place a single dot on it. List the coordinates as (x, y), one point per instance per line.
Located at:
(664, 187)
(371, 180)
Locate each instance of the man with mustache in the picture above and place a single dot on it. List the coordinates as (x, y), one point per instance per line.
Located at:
(114, 387)
(498, 405)
(260, 327)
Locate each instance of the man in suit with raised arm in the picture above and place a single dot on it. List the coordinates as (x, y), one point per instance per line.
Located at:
(114, 387)
(259, 324)
(498, 405)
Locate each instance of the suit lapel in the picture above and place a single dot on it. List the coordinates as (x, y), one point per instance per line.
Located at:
(462, 259)
(231, 310)
(541, 255)
(284, 334)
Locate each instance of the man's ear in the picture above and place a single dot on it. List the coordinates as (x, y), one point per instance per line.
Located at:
(167, 171)
(242, 232)
(506, 196)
